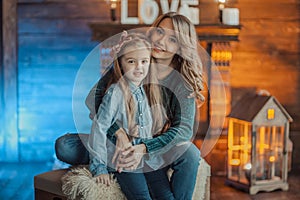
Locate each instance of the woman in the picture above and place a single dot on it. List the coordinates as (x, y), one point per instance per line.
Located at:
(175, 56)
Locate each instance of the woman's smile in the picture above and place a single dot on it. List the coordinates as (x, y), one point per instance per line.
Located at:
(158, 49)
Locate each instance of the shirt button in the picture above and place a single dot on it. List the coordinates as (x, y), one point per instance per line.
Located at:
(142, 127)
(140, 101)
(141, 114)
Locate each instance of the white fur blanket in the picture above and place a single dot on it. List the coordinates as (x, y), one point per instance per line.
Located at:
(78, 183)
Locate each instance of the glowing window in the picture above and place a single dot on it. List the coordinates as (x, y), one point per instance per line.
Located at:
(271, 113)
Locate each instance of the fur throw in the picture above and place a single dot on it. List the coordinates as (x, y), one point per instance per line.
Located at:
(78, 183)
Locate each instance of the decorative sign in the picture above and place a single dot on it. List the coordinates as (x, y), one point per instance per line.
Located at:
(230, 16)
(149, 10)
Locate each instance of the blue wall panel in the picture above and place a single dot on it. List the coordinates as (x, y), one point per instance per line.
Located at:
(54, 39)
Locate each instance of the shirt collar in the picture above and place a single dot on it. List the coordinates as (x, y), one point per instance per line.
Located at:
(135, 89)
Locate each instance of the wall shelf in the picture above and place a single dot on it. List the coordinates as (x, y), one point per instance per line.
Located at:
(206, 32)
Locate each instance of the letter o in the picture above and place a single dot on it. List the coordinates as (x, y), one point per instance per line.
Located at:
(149, 11)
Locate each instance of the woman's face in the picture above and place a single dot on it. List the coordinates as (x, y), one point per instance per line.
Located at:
(164, 41)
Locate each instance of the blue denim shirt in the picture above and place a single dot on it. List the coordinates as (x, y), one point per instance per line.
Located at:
(112, 110)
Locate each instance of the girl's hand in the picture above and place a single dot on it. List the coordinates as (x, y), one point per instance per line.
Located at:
(131, 158)
(104, 179)
(91, 116)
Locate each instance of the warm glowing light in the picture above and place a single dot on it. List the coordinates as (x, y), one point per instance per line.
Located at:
(248, 166)
(113, 4)
(221, 4)
(235, 162)
(272, 158)
(271, 113)
(242, 139)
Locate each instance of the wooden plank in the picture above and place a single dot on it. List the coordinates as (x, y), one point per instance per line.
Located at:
(59, 57)
(284, 45)
(209, 32)
(55, 42)
(271, 28)
(282, 61)
(269, 2)
(271, 11)
(70, 27)
(2, 134)
(10, 80)
(209, 12)
(65, 10)
(57, 1)
(32, 1)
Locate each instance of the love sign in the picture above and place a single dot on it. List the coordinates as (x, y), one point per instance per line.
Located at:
(149, 10)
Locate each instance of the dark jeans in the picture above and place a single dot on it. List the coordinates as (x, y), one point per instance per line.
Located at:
(70, 148)
(141, 185)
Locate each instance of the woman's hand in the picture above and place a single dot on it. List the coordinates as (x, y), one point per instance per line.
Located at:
(122, 143)
(104, 179)
(131, 158)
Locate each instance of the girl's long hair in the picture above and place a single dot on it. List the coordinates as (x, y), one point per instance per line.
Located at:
(150, 83)
(187, 61)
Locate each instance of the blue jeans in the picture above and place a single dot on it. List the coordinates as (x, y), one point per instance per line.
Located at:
(151, 185)
(145, 186)
(70, 148)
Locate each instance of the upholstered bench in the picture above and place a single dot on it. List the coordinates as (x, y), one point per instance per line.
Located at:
(48, 186)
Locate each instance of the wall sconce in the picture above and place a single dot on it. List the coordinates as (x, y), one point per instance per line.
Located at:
(113, 6)
(221, 4)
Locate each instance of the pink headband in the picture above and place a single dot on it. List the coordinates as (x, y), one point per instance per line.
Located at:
(123, 40)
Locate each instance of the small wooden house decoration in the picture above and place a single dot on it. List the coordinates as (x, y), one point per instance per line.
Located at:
(258, 135)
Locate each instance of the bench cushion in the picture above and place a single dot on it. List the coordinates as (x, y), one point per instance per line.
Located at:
(50, 181)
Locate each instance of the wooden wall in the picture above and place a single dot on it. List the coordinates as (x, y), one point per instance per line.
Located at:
(8, 82)
(268, 56)
(54, 39)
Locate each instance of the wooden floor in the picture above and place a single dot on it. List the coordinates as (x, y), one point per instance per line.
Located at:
(16, 183)
(16, 179)
(219, 191)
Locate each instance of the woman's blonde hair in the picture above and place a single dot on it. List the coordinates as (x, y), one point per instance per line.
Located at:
(138, 41)
(187, 60)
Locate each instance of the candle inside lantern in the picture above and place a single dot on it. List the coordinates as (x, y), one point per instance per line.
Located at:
(272, 161)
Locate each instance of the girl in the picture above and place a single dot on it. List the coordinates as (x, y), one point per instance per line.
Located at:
(125, 103)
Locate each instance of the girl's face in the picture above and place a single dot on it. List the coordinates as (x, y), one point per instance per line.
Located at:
(135, 64)
(164, 41)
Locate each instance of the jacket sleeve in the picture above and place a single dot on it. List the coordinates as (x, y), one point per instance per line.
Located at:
(95, 97)
(106, 115)
(182, 122)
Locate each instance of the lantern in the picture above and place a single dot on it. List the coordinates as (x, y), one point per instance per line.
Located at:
(258, 136)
